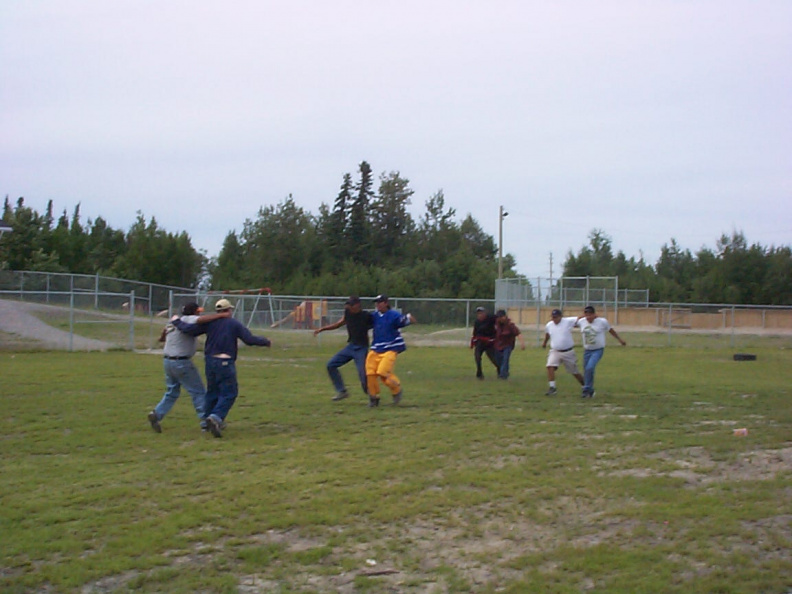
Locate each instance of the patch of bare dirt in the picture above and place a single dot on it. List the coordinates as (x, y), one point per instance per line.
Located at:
(697, 467)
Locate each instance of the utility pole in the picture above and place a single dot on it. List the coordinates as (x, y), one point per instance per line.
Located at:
(502, 214)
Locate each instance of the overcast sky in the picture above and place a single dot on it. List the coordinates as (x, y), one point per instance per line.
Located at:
(650, 120)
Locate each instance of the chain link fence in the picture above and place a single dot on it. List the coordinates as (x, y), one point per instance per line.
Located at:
(567, 292)
(130, 315)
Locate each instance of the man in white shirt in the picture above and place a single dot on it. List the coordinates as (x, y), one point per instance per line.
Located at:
(559, 332)
(593, 329)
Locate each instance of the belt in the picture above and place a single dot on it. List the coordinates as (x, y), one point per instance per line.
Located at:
(176, 358)
(565, 350)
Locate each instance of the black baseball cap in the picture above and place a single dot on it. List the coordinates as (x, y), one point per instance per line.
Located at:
(500, 313)
(353, 300)
(380, 298)
(589, 309)
(478, 309)
(556, 312)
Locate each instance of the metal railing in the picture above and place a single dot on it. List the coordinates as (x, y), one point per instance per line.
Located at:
(131, 316)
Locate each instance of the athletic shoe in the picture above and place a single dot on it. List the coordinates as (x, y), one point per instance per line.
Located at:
(340, 396)
(155, 424)
(397, 398)
(214, 426)
(373, 402)
(551, 392)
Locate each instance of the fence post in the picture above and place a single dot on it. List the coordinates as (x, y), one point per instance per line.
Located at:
(587, 300)
(71, 321)
(668, 321)
(616, 304)
(96, 292)
(132, 320)
(561, 295)
(732, 326)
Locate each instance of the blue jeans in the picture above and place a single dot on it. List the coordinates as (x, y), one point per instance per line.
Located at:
(180, 373)
(221, 387)
(351, 352)
(505, 356)
(590, 360)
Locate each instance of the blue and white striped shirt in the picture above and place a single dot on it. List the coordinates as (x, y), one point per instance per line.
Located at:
(386, 335)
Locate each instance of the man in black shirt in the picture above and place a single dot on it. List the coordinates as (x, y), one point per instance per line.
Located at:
(483, 340)
(358, 322)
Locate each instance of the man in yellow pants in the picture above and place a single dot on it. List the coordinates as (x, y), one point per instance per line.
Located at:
(387, 343)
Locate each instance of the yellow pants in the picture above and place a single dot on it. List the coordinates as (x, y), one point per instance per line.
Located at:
(379, 366)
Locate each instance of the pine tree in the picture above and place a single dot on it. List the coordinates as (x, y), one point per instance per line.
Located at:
(359, 224)
(338, 242)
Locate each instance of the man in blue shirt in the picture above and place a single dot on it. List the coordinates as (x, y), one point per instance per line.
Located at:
(220, 353)
(387, 343)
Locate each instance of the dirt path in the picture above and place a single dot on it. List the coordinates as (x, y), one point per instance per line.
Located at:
(16, 319)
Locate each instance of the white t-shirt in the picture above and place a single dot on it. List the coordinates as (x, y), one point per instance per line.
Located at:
(561, 334)
(593, 333)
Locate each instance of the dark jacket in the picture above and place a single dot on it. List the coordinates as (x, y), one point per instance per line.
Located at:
(506, 334)
(222, 335)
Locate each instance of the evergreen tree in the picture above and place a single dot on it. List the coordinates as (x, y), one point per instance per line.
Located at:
(337, 241)
(359, 227)
(777, 286)
(77, 245)
(26, 238)
(104, 245)
(227, 269)
(155, 256)
(390, 223)
(278, 245)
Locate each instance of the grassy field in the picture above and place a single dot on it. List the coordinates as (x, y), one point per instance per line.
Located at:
(466, 487)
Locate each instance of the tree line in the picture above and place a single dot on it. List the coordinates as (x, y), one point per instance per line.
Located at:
(734, 272)
(146, 252)
(366, 241)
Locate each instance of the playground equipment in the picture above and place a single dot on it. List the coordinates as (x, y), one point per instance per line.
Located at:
(263, 291)
(305, 315)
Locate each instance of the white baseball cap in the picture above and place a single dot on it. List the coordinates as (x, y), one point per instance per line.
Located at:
(223, 304)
